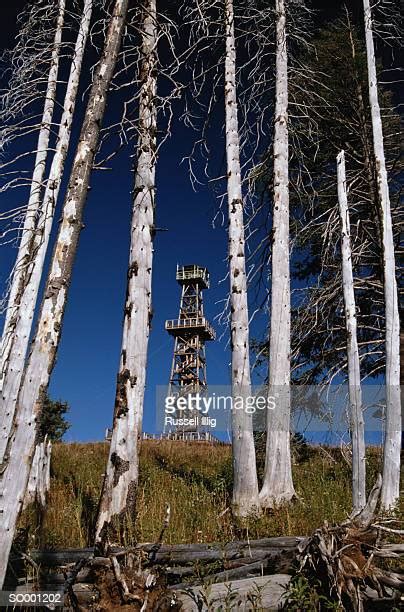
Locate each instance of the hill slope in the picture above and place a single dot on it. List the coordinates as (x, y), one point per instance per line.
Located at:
(195, 479)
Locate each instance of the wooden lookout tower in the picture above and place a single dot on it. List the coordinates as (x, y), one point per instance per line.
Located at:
(190, 331)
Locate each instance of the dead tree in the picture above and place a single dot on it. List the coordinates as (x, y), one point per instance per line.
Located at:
(34, 201)
(245, 487)
(39, 477)
(21, 443)
(29, 278)
(354, 377)
(119, 490)
(392, 443)
(278, 485)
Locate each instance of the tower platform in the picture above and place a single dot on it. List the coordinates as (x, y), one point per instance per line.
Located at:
(197, 325)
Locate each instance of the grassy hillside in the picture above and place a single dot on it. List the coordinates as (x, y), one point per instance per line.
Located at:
(195, 479)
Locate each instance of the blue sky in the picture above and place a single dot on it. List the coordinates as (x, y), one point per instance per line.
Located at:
(89, 353)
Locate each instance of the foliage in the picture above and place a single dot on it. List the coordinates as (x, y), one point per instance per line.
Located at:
(301, 595)
(52, 421)
(301, 450)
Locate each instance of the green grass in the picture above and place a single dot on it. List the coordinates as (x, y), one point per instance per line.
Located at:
(195, 479)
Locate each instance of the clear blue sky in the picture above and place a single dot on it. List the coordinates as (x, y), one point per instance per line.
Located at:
(89, 353)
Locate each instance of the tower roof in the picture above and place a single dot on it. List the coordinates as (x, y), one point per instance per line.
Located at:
(193, 273)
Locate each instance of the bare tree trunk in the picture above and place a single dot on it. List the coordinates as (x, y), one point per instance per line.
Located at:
(245, 487)
(354, 377)
(14, 478)
(392, 443)
(26, 245)
(118, 498)
(29, 285)
(365, 136)
(39, 477)
(278, 484)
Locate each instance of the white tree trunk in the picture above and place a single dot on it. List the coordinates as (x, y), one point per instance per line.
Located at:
(392, 443)
(118, 498)
(32, 486)
(21, 446)
(245, 487)
(357, 426)
(39, 477)
(26, 245)
(278, 484)
(29, 286)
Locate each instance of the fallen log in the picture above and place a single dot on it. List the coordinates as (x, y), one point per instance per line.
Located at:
(258, 593)
(83, 575)
(257, 568)
(277, 560)
(240, 561)
(275, 542)
(58, 558)
(182, 558)
(193, 552)
(179, 572)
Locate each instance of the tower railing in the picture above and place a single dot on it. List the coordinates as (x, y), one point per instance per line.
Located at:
(196, 322)
(193, 273)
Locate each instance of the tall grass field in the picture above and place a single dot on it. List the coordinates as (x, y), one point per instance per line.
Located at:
(195, 479)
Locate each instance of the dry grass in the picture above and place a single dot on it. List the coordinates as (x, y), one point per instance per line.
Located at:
(195, 479)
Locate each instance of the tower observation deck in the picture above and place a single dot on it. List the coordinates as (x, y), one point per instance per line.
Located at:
(190, 331)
